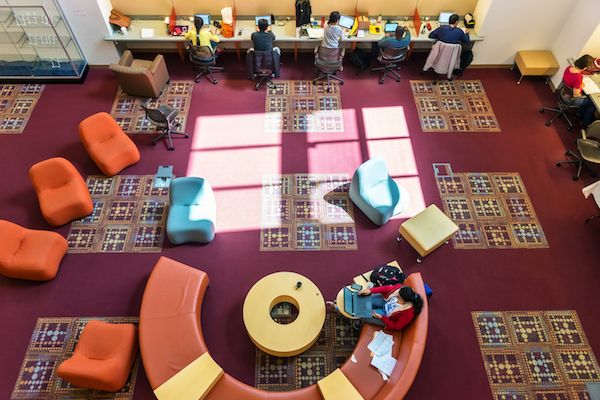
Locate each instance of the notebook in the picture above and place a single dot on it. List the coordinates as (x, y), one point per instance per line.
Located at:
(315, 33)
(357, 306)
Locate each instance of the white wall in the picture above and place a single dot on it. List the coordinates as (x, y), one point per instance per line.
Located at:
(576, 34)
(91, 28)
(512, 25)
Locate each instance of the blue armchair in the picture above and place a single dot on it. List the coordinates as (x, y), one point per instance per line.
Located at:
(375, 192)
(192, 212)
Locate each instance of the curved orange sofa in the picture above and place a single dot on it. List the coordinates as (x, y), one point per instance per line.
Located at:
(29, 253)
(106, 143)
(61, 191)
(171, 338)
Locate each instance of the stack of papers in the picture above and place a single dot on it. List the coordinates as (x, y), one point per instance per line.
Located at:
(147, 33)
(381, 347)
(315, 33)
(590, 86)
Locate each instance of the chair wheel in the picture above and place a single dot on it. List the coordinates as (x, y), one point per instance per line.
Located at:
(558, 164)
(419, 261)
(594, 175)
(172, 148)
(541, 110)
(547, 123)
(569, 128)
(215, 82)
(381, 81)
(575, 178)
(341, 83)
(256, 88)
(422, 73)
(399, 238)
(197, 80)
(398, 80)
(153, 143)
(372, 72)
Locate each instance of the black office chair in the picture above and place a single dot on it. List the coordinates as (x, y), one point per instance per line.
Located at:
(263, 65)
(565, 103)
(164, 117)
(205, 59)
(329, 62)
(588, 146)
(389, 58)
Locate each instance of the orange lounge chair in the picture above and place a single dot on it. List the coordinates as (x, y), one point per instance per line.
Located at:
(62, 192)
(103, 356)
(110, 148)
(29, 253)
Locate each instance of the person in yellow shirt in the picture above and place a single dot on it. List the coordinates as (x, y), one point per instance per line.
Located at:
(201, 37)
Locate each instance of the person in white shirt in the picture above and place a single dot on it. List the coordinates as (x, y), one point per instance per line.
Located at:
(333, 34)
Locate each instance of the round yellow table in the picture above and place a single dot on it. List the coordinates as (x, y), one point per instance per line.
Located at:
(284, 340)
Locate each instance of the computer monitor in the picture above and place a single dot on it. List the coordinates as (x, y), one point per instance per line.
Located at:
(390, 27)
(346, 22)
(266, 17)
(444, 18)
(205, 18)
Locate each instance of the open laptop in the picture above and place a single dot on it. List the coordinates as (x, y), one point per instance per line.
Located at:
(390, 27)
(357, 306)
(266, 17)
(346, 22)
(444, 18)
(205, 19)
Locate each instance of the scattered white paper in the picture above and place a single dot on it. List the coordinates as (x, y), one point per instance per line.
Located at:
(590, 86)
(384, 376)
(360, 33)
(385, 364)
(353, 359)
(381, 344)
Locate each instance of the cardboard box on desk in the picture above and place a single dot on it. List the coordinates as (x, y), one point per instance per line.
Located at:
(363, 21)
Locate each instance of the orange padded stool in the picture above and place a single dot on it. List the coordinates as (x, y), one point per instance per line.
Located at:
(30, 254)
(110, 148)
(102, 358)
(62, 192)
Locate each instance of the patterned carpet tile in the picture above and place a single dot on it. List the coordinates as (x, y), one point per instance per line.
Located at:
(535, 354)
(131, 117)
(129, 216)
(17, 103)
(53, 341)
(300, 106)
(331, 351)
(492, 210)
(458, 106)
(307, 212)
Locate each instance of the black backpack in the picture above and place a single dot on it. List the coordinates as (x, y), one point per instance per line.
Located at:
(303, 11)
(384, 275)
(465, 60)
(360, 59)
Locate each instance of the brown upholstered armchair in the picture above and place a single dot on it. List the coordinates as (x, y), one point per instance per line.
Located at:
(141, 77)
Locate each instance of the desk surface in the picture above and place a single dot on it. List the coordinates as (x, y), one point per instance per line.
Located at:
(285, 33)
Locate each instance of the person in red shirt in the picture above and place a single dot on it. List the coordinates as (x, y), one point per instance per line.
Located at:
(393, 306)
(573, 78)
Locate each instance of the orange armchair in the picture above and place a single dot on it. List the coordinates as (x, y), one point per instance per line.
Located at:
(30, 254)
(110, 148)
(103, 356)
(62, 192)
(141, 77)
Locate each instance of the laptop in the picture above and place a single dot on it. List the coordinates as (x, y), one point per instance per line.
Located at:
(205, 19)
(444, 18)
(390, 27)
(346, 22)
(357, 306)
(266, 17)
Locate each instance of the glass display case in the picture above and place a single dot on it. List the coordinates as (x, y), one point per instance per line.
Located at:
(37, 45)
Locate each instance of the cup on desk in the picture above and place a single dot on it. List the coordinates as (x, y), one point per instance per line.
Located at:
(123, 30)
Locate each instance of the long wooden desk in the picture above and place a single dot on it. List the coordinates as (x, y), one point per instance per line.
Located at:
(285, 33)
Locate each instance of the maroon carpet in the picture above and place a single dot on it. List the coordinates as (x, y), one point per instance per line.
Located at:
(563, 276)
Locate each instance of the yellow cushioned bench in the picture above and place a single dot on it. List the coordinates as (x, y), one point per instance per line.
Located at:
(535, 63)
(427, 230)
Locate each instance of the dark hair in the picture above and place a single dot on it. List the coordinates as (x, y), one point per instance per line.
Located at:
(453, 19)
(399, 32)
(263, 24)
(334, 17)
(584, 62)
(408, 294)
(198, 22)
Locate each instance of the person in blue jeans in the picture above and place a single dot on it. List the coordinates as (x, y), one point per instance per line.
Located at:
(573, 78)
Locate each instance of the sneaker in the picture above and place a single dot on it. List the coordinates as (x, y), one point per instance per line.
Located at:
(220, 50)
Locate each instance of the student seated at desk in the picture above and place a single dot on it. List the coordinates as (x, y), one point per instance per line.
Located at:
(573, 78)
(263, 38)
(333, 34)
(397, 40)
(451, 33)
(200, 37)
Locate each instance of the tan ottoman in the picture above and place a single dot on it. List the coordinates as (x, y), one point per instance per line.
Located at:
(427, 230)
(535, 63)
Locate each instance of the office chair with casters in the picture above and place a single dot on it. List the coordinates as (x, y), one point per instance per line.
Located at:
(164, 117)
(329, 62)
(565, 103)
(202, 57)
(588, 146)
(263, 65)
(388, 58)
